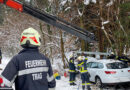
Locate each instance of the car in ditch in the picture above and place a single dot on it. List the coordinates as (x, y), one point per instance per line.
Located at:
(108, 72)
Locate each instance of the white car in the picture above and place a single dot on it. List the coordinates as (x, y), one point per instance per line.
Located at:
(108, 72)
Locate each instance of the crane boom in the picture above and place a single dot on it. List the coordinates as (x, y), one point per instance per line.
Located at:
(50, 19)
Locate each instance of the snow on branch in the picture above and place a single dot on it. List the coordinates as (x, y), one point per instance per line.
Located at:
(110, 3)
(67, 8)
(80, 13)
(63, 2)
(87, 2)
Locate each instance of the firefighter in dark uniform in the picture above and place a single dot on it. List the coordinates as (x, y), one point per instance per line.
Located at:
(0, 55)
(29, 69)
(124, 59)
(112, 56)
(82, 67)
(72, 70)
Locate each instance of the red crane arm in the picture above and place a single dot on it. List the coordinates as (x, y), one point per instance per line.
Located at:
(13, 4)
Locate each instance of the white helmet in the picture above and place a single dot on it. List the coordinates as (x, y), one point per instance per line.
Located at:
(30, 38)
(112, 53)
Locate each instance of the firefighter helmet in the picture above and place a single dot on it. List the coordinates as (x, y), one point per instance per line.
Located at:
(112, 53)
(30, 38)
(80, 58)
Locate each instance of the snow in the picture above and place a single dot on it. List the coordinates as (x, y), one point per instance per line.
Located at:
(87, 2)
(106, 22)
(94, 1)
(67, 8)
(80, 14)
(103, 23)
(27, 0)
(63, 2)
(110, 3)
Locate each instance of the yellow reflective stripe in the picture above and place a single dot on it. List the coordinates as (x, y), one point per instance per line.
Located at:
(83, 84)
(84, 71)
(80, 64)
(124, 59)
(86, 58)
(82, 68)
(71, 70)
(88, 83)
(71, 81)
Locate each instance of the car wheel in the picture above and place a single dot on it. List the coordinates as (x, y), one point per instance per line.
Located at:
(98, 82)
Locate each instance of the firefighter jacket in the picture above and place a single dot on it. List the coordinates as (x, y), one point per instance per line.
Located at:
(71, 65)
(124, 59)
(82, 66)
(30, 70)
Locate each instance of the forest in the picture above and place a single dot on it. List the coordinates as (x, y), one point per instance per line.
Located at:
(109, 20)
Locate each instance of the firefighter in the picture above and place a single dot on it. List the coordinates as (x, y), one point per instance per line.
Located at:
(112, 56)
(124, 59)
(29, 69)
(0, 55)
(72, 70)
(82, 67)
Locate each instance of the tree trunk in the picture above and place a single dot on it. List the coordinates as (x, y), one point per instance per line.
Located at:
(83, 46)
(62, 49)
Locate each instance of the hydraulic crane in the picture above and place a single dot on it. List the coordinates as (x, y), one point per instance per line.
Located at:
(50, 19)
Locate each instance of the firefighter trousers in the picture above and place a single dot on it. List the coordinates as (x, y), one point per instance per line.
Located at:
(85, 81)
(72, 77)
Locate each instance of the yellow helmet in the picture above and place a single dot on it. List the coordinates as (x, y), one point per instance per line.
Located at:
(81, 58)
(30, 38)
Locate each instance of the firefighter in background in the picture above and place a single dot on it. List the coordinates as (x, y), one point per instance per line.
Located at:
(124, 58)
(29, 69)
(112, 56)
(72, 70)
(82, 67)
(0, 55)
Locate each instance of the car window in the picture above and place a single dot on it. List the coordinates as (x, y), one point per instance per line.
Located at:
(100, 65)
(116, 65)
(94, 65)
(89, 64)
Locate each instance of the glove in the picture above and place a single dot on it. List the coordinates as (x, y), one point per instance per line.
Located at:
(1, 82)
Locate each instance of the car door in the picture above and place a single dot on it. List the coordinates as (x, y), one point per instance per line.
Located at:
(91, 69)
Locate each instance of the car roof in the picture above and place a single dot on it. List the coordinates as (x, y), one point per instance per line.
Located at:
(104, 60)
